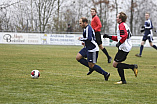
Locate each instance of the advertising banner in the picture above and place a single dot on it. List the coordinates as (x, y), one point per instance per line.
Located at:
(20, 38)
(59, 39)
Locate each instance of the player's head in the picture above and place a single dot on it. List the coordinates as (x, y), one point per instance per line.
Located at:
(83, 22)
(147, 16)
(93, 11)
(121, 17)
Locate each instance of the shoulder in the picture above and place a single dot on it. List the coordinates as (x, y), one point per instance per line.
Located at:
(121, 25)
(148, 20)
(89, 27)
(96, 17)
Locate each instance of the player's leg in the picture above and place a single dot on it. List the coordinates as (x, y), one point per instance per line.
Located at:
(99, 42)
(154, 46)
(141, 49)
(121, 56)
(92, 59)
(120, 72)
(80, 57)
(128, 66)
(105, 52)
(151, 44)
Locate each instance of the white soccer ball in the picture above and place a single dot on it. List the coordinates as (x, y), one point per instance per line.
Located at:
(35, 74)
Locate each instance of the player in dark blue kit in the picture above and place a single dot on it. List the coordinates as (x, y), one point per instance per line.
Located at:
(90, 50)
(148, 34)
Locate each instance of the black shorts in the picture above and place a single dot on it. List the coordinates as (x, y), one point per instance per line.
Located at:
(98, 38)
(121, 56)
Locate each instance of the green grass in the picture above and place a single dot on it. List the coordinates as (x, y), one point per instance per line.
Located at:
(64, 81)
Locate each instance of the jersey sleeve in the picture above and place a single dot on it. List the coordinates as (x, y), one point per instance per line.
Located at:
(114, 38)
(123, 33)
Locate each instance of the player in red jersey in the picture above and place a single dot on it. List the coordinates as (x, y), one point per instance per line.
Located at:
(124, 46)
(96, 25)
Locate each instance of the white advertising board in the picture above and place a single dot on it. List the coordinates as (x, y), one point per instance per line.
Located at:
(20, 38)
(58, 39)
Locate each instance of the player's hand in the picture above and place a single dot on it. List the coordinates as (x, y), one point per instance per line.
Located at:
(107, 36)
(79, 38)
(118, 44)
(83, 43)
(142, 31)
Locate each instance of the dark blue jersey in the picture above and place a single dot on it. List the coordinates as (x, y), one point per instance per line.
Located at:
(89, 39)
(148, 27)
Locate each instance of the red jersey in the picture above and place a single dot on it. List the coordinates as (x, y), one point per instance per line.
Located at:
(122, 32)
(96, 24)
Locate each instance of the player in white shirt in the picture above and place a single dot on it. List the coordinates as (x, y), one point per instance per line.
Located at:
(124, 46)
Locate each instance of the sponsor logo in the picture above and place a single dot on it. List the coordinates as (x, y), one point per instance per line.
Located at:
(13, 38)
(7, 37)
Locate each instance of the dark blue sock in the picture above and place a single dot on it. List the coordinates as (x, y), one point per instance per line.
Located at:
(99, 70)
(154, 46)
(141, 49)
(83, 62)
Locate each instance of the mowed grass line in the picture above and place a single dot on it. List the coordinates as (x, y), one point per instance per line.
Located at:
(64, 81)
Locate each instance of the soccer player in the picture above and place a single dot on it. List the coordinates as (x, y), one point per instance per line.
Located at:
(96, 25)
(90, 49)
(124, 46)
(148, 34)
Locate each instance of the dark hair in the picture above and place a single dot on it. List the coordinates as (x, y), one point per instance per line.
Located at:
(94, 9)
(122, 16)
(84, 19)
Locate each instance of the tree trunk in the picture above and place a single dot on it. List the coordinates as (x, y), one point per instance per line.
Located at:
(131, 16)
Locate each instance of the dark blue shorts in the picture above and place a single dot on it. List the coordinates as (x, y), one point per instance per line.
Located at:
(145, 37)
(91, 56)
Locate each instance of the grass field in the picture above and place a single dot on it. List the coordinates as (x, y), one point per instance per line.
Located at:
(64, 81)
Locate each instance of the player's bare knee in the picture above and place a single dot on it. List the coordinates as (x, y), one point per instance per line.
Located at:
(78, 57)
(91, 65)
(151, 44)
(114, 65)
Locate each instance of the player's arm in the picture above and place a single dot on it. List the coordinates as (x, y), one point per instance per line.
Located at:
(114, 38)
(88, 35)
(148, 25)
(97, 20)
(82, 39)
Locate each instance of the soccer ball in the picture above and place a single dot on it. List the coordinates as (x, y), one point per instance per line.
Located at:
(35, 74)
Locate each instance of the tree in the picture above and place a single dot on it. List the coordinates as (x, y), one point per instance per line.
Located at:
(45, 9)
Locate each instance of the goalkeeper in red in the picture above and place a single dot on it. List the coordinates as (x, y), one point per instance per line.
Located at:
(124, 46)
